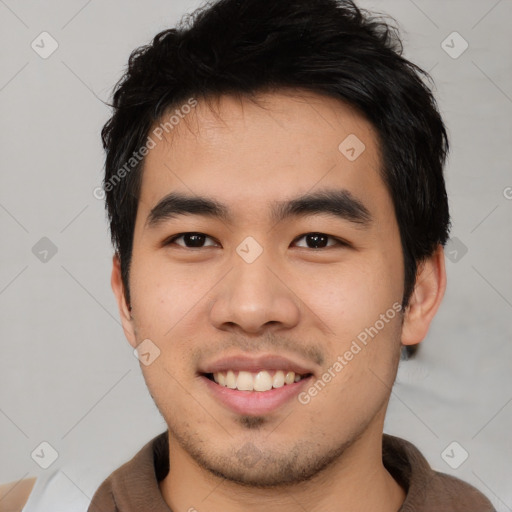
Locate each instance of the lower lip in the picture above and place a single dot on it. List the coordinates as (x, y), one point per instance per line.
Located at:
(255, 402)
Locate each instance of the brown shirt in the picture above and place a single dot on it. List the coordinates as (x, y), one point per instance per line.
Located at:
(134, 486)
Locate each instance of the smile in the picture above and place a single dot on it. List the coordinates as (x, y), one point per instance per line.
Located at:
(255, 381)
(251, 402)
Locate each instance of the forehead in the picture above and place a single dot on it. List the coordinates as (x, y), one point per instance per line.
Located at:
(246, 153)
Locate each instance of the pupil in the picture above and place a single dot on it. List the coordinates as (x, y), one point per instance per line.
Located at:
(195, 239)
(316, 237)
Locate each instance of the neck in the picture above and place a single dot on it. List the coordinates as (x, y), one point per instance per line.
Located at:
(357, 481)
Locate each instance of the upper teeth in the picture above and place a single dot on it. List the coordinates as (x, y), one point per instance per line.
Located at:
(259, 381)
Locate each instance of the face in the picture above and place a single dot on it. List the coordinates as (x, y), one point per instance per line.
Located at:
(265, 276)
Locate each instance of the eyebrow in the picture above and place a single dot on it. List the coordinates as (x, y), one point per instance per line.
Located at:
(339, 203)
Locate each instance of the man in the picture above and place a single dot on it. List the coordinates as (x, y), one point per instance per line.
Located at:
(274, 183)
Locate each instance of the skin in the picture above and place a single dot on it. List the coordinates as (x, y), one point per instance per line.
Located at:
(196, 304)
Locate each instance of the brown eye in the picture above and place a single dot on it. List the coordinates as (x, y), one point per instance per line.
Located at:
(319, 240)
(191, 240)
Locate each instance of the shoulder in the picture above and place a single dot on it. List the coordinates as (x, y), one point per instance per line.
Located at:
(457, 495)
(428, 489)
(136, 478)
(103, 499)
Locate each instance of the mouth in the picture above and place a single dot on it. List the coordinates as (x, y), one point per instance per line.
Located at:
(255, 385)
(255, 393)
(260, 381)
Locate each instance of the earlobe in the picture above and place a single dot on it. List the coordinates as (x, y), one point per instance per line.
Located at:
(124, 308)
(425, 299)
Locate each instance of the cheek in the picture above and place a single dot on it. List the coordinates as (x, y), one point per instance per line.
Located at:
(346, 298)
(359, 370)
(163, 294)
(358, 308)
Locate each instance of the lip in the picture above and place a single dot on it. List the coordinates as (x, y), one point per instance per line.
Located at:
(255, 364)
(254, 402)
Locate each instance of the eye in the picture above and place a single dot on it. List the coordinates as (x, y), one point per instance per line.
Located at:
(194, 240)
(319, 240)
(191, 240)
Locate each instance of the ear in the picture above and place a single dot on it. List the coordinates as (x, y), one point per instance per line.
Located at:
(425, 299)
(124, 309)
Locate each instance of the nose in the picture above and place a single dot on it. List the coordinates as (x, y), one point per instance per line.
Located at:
(254, 297)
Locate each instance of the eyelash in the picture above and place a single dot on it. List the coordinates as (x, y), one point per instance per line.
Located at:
(339, 242)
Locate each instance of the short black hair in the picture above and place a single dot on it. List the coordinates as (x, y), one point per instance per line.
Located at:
(328, 47)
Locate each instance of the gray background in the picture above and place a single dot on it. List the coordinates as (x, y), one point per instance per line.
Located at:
(67, 374)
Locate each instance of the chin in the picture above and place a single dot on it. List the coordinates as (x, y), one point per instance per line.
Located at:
(249, 466)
